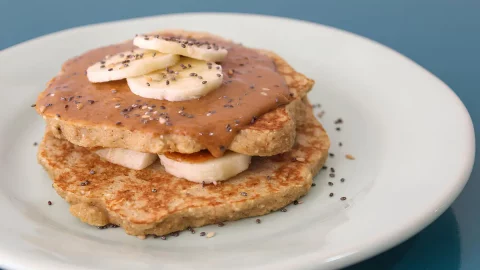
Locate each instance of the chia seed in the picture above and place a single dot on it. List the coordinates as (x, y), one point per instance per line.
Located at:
(84, 183)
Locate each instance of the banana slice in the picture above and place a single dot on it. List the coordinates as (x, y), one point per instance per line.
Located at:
(127, 158)
(188, 79)
(208, 170)
(192, 48)
(129, 64)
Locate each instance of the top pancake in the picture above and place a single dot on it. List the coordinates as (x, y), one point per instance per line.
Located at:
(272, 133)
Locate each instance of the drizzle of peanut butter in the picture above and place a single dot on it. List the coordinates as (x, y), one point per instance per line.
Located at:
(251, 87)
(198, 157)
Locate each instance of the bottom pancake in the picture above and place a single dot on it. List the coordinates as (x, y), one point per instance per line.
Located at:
(152, 201)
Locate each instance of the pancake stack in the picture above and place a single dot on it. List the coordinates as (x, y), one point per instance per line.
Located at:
(178, 129)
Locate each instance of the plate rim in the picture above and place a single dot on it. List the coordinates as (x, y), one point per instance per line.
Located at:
(381, 245)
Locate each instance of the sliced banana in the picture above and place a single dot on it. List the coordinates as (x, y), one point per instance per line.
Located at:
(188, 79)
(192, 48)
(129, 64)
(209, 170)
(127, 158)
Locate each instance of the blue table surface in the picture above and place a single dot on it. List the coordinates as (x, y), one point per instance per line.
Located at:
(441, 35)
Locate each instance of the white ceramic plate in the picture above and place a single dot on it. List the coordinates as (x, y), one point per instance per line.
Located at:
(412, 138)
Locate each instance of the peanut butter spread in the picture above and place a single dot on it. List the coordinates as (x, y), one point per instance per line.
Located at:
(197, 157)
(250, 88)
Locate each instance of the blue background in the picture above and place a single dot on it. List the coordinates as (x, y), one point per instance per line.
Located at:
(442, 36)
